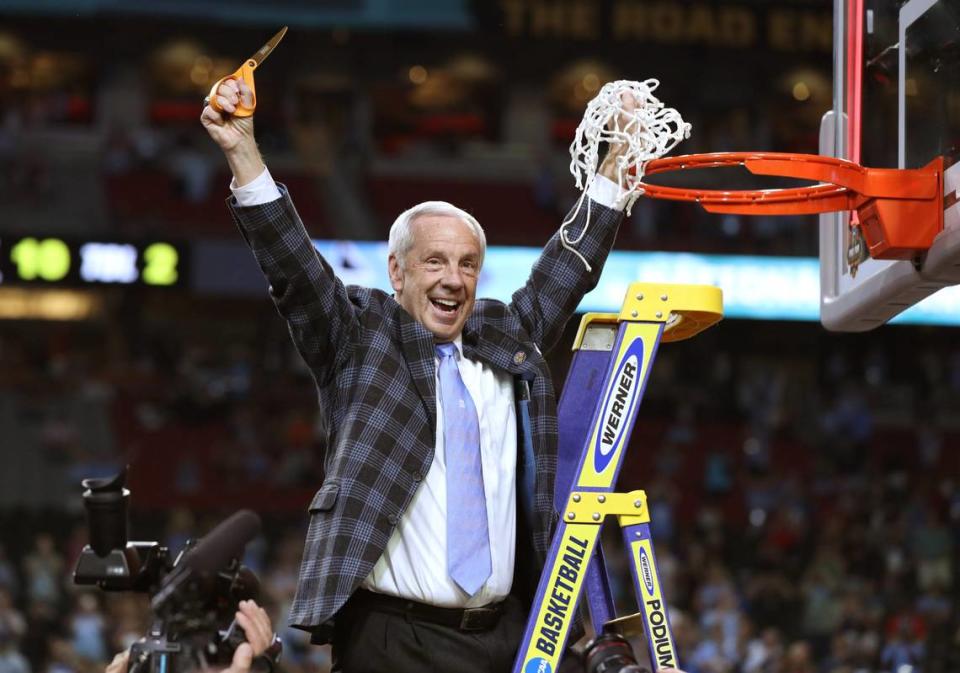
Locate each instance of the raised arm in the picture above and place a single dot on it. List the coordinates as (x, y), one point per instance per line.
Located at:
(559, 278)
(303, 286)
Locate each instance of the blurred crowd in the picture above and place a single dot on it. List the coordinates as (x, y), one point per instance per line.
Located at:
(163, 180)
(805, 505)
(113, 147)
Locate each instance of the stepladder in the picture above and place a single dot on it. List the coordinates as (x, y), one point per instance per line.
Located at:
(612, 360)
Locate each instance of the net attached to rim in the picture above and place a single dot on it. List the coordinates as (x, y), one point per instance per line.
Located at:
(626, 115)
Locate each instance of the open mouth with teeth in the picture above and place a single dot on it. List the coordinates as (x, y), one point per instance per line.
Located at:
(446, 305)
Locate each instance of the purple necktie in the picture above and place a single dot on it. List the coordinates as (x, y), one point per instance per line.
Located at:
(468, 543)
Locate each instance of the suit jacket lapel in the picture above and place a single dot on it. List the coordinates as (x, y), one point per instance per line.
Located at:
(418, 350)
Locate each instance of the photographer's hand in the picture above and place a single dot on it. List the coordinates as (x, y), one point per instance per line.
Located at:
(262, 648)
(242, 661)
(256, 627)
(119, 663)
(258, 632)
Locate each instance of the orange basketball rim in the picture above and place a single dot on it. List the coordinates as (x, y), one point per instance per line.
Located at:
(900, 210)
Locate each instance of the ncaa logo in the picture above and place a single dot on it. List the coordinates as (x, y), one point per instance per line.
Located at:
(646, 572)
(537, 665)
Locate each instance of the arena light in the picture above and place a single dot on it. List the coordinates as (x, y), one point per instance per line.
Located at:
(48, 304)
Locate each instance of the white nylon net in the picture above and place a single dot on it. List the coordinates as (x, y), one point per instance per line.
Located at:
(649, 130)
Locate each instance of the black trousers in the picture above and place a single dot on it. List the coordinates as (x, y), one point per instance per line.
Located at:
(367, 640)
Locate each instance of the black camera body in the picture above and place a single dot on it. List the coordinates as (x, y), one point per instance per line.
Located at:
(137, 566)
(193, 598)
(610, 652)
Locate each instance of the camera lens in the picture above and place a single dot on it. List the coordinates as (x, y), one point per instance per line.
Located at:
(106, 503)
(610, 653)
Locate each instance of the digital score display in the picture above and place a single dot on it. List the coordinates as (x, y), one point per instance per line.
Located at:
(57, 261)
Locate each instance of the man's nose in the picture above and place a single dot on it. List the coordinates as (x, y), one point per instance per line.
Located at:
(453, 277)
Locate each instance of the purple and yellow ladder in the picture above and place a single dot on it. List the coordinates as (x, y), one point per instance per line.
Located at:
(613, 355)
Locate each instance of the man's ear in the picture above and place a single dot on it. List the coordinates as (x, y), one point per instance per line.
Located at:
(396, 274)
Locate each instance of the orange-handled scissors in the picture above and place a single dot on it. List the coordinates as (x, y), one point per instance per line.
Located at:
(245, 72)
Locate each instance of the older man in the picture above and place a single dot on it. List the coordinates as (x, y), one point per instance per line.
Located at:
(429, 531)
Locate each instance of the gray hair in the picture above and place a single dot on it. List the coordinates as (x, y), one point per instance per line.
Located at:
(401, 233)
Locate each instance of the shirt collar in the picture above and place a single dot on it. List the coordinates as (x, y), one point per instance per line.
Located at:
(458, 342)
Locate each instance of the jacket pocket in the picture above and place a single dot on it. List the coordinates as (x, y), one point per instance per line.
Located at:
(325, 498)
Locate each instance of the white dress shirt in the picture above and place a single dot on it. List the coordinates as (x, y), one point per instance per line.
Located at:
(414, 563)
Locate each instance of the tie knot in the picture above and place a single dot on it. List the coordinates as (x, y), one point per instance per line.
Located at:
(446, 350)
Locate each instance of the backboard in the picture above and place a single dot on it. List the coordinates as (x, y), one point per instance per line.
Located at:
(896, 104)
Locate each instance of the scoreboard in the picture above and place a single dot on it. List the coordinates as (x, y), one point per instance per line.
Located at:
(35, 260)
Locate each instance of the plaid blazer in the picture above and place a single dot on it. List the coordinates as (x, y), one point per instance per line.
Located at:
(374, 368)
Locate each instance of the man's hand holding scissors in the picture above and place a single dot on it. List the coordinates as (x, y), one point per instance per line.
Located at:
(234, 135)
(228, 115)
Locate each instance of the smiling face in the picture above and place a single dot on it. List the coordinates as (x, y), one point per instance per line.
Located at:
(437, 280)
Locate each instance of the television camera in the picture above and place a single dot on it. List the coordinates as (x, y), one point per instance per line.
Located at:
(193, 597)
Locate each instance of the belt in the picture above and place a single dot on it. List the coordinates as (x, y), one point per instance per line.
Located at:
(464, 619)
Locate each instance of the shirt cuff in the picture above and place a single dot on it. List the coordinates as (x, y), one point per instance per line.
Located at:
(262, 189)
(606, 192)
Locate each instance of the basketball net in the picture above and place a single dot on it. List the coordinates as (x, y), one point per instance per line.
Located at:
(650, 130)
